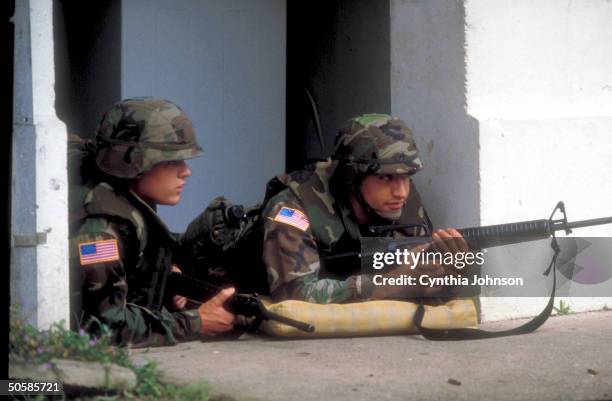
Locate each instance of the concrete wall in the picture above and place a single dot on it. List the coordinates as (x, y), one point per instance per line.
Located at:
(39, 190)
(428, 92)
(224, 64)
(539, 81)
(543, 59)
(511, 103)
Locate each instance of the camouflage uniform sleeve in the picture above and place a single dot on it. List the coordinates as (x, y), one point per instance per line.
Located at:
(104, 289)
(291, 257)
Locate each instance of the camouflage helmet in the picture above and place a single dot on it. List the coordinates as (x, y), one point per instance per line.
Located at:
(375, 144)
(138, 133)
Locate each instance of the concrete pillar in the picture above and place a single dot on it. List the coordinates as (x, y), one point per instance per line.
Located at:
(39, 190)
(511, 103)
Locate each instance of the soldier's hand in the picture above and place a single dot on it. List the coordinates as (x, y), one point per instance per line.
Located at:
(449, 240)
(178, 301)
(215, 318)
(430, 267)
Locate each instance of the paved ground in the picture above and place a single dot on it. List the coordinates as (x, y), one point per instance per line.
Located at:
(569, 358)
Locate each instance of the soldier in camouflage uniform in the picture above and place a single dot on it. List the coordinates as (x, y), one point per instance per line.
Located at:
(327, 208)
(122, 252)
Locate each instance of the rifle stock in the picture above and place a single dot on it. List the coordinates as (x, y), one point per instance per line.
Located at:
(512, 233)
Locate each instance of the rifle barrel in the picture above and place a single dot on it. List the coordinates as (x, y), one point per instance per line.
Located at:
(505, 234)
(481, 237)
(591, 222)
(512, 233)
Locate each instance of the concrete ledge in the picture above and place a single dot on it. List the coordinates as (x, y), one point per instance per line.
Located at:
(77, 376)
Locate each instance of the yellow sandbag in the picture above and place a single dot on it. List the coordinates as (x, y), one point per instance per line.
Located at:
(372, 318)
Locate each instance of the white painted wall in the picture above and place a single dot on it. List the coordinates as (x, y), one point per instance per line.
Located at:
(538, 59)
(529, 165)
(224, 64)
(511, 102)
(539, 81)
(428, 92)
(39, 187)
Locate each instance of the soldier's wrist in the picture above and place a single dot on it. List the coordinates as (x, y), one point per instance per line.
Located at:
(195, 321)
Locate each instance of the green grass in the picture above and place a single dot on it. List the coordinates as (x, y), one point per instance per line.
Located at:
(41, 346)
(563, 309)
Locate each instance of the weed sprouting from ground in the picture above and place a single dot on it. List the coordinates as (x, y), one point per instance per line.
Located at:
(42, 346)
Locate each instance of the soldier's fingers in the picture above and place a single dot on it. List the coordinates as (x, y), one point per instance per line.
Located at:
(439, 243)
(451, 240)
(223, 296)
(179, 302)
(460, 242)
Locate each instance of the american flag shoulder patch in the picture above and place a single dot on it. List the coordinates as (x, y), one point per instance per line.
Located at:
(98, 251)
(293, 217)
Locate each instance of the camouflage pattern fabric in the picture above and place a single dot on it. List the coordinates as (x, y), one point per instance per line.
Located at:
(292, 254)
(135, 134)
(310, 217)
(377, 144)
(123, 286)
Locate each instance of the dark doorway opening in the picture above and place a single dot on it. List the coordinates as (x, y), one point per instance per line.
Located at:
(338, 54)
(87, 37)
(87, 54)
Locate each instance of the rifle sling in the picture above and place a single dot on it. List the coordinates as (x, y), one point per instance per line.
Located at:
(478, 334)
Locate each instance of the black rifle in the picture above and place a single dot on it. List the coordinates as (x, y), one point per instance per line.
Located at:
(486, 236)
(248, 305)
(497, 235)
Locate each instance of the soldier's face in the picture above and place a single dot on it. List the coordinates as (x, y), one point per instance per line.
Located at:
(386, 193)
(163, 184)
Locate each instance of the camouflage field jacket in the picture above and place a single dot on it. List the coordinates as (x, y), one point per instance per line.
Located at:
(121, 256)
(302, 222)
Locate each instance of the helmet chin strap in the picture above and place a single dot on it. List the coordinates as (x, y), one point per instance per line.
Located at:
(391, 216)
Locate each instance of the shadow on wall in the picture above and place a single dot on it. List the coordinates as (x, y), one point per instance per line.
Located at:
(428, 75)
(87, 62)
